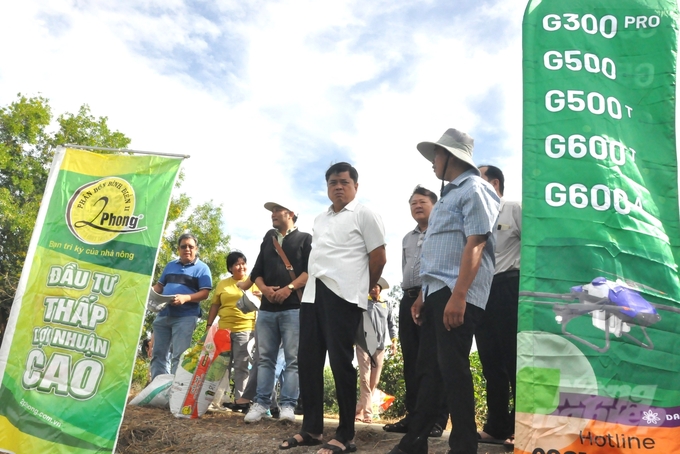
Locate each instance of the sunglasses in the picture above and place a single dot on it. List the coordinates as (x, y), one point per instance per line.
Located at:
(187, 246)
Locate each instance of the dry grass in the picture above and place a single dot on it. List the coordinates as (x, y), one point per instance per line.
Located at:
(152, 430)
(148, 430)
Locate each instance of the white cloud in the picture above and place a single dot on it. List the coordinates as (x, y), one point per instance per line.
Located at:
(234, 84)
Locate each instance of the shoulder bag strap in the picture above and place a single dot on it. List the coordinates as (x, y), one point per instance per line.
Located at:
(286, 262)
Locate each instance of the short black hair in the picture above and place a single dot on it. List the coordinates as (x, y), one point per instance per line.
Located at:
(424, 191)
(340, 167)
(187, 236)
(494, 173)
(232, 258)
(145, 347)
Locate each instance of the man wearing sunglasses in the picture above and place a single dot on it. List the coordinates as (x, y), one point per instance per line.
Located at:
(189, 280)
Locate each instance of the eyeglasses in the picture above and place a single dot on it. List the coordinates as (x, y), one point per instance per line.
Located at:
(187, 246)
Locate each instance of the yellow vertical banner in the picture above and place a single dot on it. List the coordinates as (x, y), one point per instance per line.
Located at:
(67, 357)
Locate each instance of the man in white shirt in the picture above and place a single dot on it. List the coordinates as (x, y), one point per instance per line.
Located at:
(347, 259)
(496, 334)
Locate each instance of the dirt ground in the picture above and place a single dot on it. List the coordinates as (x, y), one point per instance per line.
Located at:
(148, 430)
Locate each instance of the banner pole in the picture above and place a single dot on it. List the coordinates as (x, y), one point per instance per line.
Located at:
(126, 150)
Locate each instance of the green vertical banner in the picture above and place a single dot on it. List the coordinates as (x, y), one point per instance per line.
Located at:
(599, 323)
(67, 357)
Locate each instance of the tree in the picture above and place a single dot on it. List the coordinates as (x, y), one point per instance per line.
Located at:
(26, 151)
(205, 222)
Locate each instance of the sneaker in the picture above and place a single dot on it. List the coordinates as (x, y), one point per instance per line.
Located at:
(287, 414)
(256, 413)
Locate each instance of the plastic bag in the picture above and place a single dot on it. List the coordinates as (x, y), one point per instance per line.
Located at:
(195, 383)
(380, 401)
(156, 393)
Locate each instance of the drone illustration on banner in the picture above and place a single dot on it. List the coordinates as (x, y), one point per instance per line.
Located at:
(616, 307)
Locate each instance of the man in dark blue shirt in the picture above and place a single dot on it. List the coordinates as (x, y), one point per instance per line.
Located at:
(189, 280)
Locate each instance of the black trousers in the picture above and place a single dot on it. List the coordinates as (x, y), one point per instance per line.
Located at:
(497, 344)
(329, 325)
(409, 337)
(444, 364)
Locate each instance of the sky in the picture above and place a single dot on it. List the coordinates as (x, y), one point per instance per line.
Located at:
(265, 95)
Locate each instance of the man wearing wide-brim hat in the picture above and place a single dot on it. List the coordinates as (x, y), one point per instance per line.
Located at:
(456, 268)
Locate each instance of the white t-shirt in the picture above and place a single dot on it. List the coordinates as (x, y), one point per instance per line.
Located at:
(340, 245)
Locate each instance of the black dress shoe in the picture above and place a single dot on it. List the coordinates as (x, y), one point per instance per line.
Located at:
(397, 427)
(436, 431)
(233, 406)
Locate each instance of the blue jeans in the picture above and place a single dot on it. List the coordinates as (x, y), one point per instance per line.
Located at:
(273, 330)
(171, 335)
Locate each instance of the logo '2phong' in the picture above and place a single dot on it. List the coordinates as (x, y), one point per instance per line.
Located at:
(101, 210)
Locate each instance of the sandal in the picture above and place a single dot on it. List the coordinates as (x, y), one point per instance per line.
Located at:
(349, 447)
(398, 427)
(307, 440)
(510, 442)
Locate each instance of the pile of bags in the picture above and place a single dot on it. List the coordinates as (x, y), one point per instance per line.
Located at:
(202, 377)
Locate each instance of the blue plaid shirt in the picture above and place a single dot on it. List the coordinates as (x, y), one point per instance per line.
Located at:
(468, 206)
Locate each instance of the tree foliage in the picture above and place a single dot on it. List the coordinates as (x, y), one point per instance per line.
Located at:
(205, 222)
(26, 149)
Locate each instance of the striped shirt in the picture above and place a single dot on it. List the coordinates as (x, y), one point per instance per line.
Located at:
(410, 258)
(468, 206)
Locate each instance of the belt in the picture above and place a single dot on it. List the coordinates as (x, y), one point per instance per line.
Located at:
(507, 274)
(412, 292)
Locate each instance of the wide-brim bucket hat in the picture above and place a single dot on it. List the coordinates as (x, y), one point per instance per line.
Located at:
(455, 142)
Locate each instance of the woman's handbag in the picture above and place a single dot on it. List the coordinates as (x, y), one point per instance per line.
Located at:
(248, 302)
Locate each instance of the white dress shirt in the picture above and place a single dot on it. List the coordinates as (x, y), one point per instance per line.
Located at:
(341, 243)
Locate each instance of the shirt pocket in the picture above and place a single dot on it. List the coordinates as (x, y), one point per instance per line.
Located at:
(451, 219)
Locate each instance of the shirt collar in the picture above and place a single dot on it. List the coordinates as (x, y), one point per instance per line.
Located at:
(187, 264)
(288, 232)
(351, 206)
(418, 231)
(460, 179)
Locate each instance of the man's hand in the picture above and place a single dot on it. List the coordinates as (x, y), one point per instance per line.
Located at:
(454, 312)
(416, 308)
(178, 300)
(269, 292)
(281, 295)
(394, 348)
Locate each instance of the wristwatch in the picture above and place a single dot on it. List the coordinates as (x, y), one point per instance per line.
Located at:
(291, 287)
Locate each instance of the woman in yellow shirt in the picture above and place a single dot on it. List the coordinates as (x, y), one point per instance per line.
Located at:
(241, 326)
